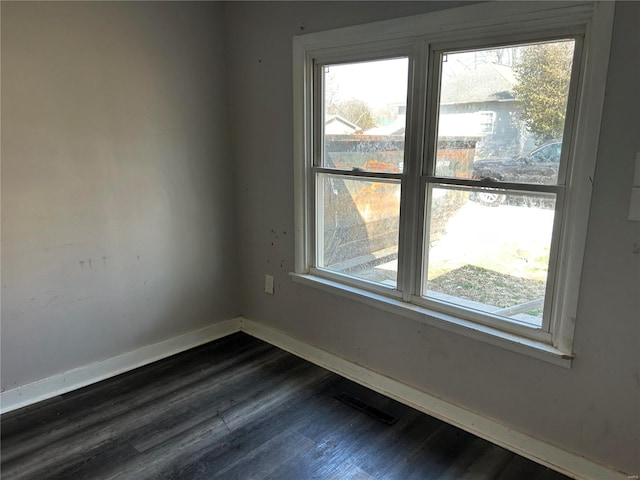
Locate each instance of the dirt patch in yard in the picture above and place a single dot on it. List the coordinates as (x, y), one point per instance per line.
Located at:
(487, 286)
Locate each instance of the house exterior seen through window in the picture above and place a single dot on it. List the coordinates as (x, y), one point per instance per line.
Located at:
(438, 173)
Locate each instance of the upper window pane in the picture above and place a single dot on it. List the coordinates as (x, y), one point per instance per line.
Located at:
(365, 107)
(502, 112)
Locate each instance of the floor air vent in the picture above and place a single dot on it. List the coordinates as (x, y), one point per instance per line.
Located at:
(366, 408)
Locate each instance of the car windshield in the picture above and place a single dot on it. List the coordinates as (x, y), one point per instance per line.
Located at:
(547, 153)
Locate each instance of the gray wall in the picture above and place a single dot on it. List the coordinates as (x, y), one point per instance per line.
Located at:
(118, 221)
(119, 212)
(591, 409)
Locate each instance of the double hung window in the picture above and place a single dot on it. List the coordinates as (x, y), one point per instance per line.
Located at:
(442, 171)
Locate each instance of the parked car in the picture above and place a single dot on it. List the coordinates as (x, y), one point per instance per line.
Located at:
(539, 167)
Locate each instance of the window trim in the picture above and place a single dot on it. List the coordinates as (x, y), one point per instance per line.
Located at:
(416, 33)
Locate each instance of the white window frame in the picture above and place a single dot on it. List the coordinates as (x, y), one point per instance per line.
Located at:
(487, 126)
(418, 37)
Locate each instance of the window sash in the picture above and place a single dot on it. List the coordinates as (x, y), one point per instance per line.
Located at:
(510, 325)
(433, 87)
(320, 176)
(378, 176)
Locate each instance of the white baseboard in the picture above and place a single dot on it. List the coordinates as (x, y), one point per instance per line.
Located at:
(541, 452)
(95, 372)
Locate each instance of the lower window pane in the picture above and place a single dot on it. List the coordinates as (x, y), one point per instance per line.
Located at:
(489, 250)
(358, 228)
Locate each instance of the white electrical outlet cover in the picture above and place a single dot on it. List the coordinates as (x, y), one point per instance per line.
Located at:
(268, 284)
(634, 207)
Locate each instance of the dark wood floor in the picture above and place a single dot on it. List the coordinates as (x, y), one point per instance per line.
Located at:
(241, 409)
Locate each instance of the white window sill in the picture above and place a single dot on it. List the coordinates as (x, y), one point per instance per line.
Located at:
(493, 336)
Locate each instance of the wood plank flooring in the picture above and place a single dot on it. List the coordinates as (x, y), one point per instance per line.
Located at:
(239, 408)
